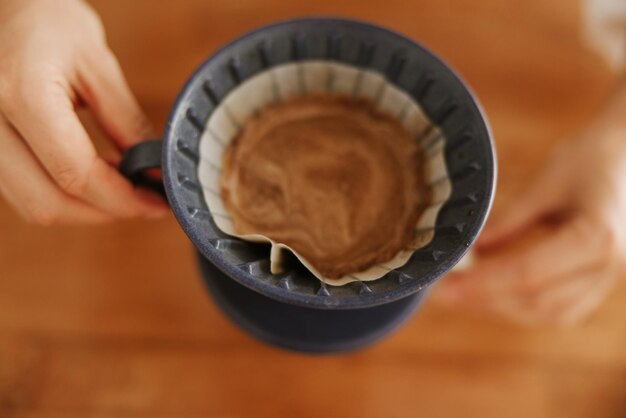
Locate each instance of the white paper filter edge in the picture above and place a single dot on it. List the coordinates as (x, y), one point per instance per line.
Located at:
(316, 76)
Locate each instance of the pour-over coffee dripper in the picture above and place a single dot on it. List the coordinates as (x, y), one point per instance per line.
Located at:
(294, 309)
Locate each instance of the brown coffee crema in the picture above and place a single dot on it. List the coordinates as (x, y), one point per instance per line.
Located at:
(332, 177)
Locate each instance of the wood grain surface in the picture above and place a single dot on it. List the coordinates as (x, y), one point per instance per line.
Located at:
(114, 322)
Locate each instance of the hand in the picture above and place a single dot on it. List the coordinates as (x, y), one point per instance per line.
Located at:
(560, 278)
(53, 58)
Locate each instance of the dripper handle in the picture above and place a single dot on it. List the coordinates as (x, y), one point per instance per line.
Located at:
(139, 158)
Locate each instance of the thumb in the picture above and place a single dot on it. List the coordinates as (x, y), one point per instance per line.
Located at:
(519, 213)
(105, 90)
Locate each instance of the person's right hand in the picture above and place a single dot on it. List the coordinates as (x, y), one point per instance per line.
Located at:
(53, 58)
(579, 200)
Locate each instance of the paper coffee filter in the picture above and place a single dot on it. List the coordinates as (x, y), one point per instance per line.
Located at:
(300, 78)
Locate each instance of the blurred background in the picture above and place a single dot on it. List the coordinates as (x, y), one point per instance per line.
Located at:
(114, 321)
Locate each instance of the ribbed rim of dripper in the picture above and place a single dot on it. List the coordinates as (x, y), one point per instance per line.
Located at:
(300, 78)
(475, 203)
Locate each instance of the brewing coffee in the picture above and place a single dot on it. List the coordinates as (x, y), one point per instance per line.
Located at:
(331, 176)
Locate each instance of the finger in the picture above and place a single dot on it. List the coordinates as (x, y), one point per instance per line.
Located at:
(486, 300)
(58, 139)
(560, 294)
(519, 213)
(574, 245)
(29, 189)
(547, 307)
(103, 87)
(575, 296)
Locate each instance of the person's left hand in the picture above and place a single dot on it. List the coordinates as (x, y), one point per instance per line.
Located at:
(580, 195)
(54, 59)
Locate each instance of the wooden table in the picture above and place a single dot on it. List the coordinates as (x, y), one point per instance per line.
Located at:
(113, 321)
